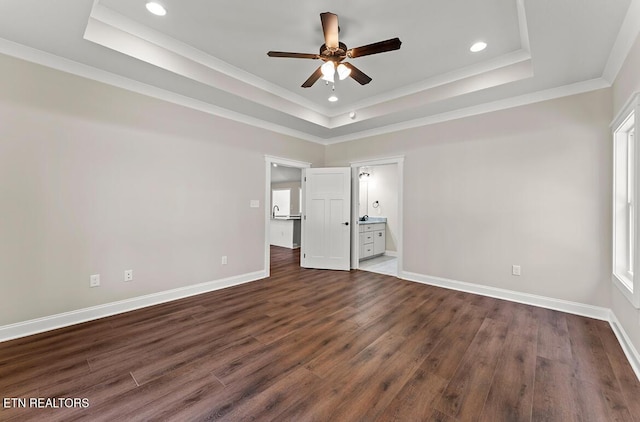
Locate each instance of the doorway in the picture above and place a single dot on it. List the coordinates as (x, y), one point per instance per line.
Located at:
(377, 204)
(282, 212)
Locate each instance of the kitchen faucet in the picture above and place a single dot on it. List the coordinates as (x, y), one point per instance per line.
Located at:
(273, 214)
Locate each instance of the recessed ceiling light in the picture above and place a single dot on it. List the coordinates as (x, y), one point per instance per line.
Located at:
(479, 46)
(333, 98)
(156, 8)
(275, 164)
(352, 115)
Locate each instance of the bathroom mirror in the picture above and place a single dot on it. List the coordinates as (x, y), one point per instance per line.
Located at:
(364, 198)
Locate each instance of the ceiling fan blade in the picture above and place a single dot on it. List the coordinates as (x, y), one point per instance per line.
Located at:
(313, 78)
(293, 55)
(330, 28)
(357, 74)
(375, 48)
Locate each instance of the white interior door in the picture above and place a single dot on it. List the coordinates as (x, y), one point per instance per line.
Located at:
(326, 232)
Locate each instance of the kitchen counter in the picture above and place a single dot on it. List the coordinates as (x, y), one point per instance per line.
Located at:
(285, 231)
(286, 217)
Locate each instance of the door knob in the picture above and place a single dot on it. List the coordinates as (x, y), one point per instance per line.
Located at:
(346, 223)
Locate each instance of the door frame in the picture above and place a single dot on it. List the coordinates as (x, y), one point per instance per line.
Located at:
(269, 161)
(355, 197)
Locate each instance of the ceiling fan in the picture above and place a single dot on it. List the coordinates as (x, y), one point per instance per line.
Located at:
(333, 52)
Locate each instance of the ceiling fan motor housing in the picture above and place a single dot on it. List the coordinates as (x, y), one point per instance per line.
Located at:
(335, 54)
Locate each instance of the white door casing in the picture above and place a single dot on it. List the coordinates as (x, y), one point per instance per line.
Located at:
(269, 161)
(326, 225)
(399, 161)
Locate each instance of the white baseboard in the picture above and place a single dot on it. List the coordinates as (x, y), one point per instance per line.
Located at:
(576, 308)
(34, 326)
(595, 312)
(391, 253)
(625, 342)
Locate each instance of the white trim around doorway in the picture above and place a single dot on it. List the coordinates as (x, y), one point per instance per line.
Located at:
(269, 161)
(355, 235)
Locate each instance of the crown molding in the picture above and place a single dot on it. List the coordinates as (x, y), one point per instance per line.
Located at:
(505, 61)
(534, 97)
(627, 36)
(115, 31)
(40, 57)
(164, 57)
(109, 17)
(52, 61)
(459, 86)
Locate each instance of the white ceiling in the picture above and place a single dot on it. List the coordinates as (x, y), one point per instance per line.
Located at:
(212, 55)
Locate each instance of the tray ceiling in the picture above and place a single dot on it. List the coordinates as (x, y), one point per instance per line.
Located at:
(212, 55)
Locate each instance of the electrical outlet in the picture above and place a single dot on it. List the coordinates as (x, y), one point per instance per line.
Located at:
(515, 269)
(128, 275)
(224, 260)
(94, 280)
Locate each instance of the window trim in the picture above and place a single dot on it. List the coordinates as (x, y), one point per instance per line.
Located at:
(623, 126)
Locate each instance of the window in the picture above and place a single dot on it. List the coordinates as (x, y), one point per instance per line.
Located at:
(625, 192)
(281, 202)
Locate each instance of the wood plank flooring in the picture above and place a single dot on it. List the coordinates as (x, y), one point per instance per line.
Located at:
(309, 345)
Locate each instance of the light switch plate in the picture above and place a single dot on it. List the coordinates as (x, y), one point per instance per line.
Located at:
(255, 203)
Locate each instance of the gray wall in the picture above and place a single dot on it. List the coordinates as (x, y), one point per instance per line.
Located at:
(95, 179)
(626, 84)
(529, 186)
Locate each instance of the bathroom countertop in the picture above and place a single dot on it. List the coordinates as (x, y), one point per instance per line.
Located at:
(373, 220)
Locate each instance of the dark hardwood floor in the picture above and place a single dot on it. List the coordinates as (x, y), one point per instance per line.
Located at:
(309, 345)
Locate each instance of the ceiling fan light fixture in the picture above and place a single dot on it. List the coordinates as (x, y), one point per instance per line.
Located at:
(343, 72)
(328, 71)
(156, 8)
(333, 98)
(479, 46)
(329, 78)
